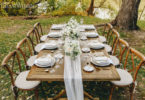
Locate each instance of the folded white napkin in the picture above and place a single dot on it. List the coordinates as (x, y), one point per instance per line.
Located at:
(44, 37)
(91, 34)
(57, 26)
(101, 61)
(55, 34)
(45, 61)
(87, 26)
(95, 45)
(50, 45)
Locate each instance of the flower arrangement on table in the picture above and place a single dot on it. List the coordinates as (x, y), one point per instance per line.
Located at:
(72, 48)
(71, 30)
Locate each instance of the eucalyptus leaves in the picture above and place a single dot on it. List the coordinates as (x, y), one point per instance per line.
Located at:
(72, 48)
(72, 29)
(71, 34)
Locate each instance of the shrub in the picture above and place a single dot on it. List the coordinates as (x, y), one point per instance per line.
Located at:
(3, 12)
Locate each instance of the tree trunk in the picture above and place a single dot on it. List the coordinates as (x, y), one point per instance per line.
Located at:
(128, 15)
(91, 8)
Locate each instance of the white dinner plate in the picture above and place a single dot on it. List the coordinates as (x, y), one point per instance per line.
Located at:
(101, 61)
(47, 61)
(96, 46)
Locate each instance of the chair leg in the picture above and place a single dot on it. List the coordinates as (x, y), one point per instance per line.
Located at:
(111, 93)
(131, 91)
(36, 94)
(15, 91)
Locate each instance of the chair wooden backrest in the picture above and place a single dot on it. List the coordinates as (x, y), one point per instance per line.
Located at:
(34, 37)
(38, 28)
(107, 29)
(133, 62)
(25, 49)
(120, 49)
(112, 38)
(13, 65)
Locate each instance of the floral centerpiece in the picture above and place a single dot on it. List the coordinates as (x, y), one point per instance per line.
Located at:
(72, 29)
(72, 48)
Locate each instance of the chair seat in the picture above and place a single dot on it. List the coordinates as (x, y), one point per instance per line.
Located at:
(43, 38)
(108, 48)
(102, 39)
(126, 78)
(31, 60)
(22, 83)
(115, 60)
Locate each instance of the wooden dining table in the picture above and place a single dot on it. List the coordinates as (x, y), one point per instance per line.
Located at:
(56, 73)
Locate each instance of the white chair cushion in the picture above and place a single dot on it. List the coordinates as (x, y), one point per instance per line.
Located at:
(108, 48)
(126, 78)
(22, 83)
(43, 38)
(115, 60)
(31, 60)
(102, 39)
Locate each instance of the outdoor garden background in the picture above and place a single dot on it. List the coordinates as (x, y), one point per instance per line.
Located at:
(17, 17)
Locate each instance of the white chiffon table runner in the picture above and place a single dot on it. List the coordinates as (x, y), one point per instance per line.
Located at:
(73, 78)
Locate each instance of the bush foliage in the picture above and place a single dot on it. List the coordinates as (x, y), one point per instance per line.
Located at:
(31, 7)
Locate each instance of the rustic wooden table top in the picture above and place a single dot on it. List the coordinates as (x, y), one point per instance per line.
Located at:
(99, 74)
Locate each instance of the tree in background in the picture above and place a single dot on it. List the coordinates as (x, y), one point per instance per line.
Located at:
(128, 15)
(91, 7)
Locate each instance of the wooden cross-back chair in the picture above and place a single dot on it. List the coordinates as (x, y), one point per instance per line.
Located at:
(107, 29)
(133, 61)
(112, 38)
(15, 68)
(27, 52)
(38, 28)
(33, 37)
(120, 47)
(119, 50)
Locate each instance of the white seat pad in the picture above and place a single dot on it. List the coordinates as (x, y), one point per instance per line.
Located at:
(31, 60)
(22, 83)
(126, 78)
(108, 48)
(43, 38)
(115, 60)
(102, 39)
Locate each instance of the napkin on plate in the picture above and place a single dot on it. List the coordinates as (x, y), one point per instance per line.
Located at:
(55, 34)
(91, 34)
(95, 45)
(45, 61)
(101, 61)
(87, 27)
(49, 46)
(57, 26)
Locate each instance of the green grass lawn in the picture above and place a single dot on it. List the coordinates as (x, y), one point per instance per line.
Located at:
(12, 30)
